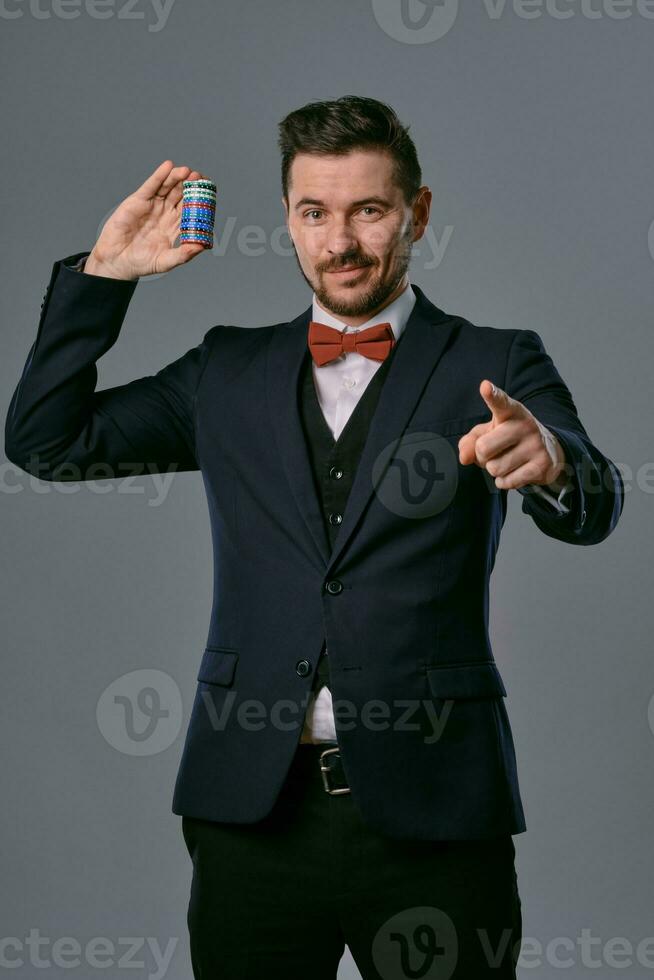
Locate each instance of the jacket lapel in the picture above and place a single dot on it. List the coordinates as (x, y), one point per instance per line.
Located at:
(425, 337)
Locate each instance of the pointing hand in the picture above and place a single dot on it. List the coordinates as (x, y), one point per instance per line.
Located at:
(513, 446)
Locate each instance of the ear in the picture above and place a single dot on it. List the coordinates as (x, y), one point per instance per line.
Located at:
(421, 207)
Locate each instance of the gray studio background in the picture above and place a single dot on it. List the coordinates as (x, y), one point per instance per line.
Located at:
(534, 132)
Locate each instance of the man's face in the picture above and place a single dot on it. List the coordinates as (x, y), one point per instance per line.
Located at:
(352, 229)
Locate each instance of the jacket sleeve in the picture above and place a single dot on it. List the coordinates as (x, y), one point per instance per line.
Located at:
(596, 500)
(58, 427)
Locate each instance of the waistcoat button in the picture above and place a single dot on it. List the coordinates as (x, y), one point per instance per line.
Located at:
(334, 586)
(303, 667)
(335, 518)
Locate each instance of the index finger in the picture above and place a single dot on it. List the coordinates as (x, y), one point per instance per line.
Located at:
(155, 181)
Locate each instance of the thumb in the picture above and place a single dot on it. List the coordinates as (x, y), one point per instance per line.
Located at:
(501, 405)
(173, 257)
(190, 249)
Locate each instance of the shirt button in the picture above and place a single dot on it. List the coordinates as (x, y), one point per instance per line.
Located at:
(335, 473)
(334, 586)
(303, 667)
(335, 518)
(349, 382)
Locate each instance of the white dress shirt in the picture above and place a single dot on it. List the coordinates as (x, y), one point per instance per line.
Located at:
(339, 385)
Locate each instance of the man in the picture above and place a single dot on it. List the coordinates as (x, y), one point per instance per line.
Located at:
(349, 773)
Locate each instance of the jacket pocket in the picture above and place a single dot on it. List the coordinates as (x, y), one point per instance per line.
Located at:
(218, 665)
(448, 427)
(473, 680)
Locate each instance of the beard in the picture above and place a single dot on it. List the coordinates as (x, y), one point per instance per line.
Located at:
(376, 292)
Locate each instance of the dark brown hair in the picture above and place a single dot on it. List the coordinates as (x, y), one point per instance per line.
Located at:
(352, 122)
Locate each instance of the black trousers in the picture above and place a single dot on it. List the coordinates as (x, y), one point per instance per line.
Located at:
(282, 897)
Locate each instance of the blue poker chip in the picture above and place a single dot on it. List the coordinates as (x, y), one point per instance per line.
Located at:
(204, 225)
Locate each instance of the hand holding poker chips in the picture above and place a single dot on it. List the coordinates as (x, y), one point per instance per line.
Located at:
(198, 211)
(139, 238)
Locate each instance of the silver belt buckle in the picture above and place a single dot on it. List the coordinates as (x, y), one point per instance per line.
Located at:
(325, 770)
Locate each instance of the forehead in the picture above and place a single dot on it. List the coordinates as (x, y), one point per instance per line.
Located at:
(342, 177)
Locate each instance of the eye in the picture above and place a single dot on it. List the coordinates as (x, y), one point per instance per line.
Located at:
(313, 211)
(372, 211)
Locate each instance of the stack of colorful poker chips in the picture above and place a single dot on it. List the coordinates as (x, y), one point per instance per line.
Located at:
(198, 212)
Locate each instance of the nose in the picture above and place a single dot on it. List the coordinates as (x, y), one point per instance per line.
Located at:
(340, 240)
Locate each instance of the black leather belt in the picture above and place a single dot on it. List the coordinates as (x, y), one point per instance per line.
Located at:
(333, 774)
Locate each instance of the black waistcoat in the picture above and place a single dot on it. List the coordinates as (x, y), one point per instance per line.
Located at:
(334, 462)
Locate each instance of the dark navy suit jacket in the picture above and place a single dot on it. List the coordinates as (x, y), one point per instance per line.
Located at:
(402, 603)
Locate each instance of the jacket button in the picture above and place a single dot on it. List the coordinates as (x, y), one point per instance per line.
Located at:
(334, 586)
(303, 667)
(335, 518)
(335, 473)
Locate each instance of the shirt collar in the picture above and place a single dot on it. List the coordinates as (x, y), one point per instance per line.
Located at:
(396, 313)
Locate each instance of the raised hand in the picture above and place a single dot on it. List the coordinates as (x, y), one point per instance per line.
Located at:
(137, 240)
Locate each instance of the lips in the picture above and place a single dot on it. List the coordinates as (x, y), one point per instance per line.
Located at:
(348, 268)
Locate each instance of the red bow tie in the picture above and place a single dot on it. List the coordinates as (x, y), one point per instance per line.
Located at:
(327, 343)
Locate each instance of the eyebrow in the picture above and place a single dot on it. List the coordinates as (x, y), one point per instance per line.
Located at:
(355, 204)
